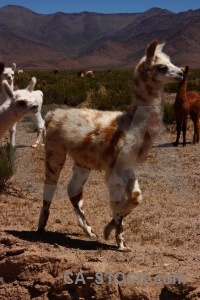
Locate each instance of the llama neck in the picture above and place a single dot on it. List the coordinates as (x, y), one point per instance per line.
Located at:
(147, 93)
(3, 97)
(181, 93)
(147, 105)
(8, 116)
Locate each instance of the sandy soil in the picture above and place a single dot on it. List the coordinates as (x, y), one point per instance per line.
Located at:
(162, 232)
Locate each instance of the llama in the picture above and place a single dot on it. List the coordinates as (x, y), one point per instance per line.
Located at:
(20, 72)
(186, 103)
(115, 142)
(1, 67)
(17, 104)
(8, 74)
(84, 73)
(37, 119)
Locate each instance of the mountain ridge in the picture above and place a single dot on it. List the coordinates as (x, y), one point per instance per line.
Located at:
(95, 40)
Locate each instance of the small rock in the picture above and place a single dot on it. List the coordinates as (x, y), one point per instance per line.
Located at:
(165, 265)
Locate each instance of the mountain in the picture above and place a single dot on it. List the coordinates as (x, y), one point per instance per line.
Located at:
(93, 40)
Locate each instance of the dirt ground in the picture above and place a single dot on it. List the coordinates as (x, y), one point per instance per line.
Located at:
(163, 232)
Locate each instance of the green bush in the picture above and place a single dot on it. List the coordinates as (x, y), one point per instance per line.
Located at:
(65, 88)
(168, 115)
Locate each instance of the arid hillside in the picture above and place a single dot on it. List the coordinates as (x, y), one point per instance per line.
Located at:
(82, 40)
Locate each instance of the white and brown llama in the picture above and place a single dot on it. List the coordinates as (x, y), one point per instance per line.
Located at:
(84, 73)
(8, 74)
(111, 141)
(186, 103)
(16, 105)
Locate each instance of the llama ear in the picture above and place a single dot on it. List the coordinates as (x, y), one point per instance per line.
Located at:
(14, 67)
(6, 87)
(160, 47)
(1, 67)
(186, 70)
(31, 85)
(150, 50)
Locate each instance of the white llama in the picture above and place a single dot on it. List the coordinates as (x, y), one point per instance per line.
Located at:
(16, 105)
(8, 74)
(111, 141)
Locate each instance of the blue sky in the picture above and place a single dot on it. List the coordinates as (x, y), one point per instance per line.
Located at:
(102, 6)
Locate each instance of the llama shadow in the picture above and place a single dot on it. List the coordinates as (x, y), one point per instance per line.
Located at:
(170, 145)
(22, 146)
(60, 239)
(165, 145)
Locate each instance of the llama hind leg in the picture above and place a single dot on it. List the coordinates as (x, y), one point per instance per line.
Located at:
(196, 129)
(184, 129)
(126, 184)
(54, 162)
(40, 137)
(75, 192)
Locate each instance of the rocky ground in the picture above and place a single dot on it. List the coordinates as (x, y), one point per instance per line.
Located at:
(163, 232)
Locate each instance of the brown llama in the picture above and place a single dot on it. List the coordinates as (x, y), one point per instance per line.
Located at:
(186, 103)
(1, 67)
(112, 141)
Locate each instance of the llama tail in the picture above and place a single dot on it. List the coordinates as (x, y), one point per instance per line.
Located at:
(32, 84)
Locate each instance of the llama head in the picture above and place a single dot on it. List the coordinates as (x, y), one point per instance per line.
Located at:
(22, 100)
(156, 68)
(8, 73)
(185, 72)
(1, 67)
(185, 75)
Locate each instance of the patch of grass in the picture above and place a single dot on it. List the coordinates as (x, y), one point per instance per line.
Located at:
(7, 160)
(168, 116)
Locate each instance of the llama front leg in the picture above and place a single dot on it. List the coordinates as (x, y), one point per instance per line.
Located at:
(118, 187)
(12, 131)
(75, 192)
(178, 131)
(39, 123)
(54, 162)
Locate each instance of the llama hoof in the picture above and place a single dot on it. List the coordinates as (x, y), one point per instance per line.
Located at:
(175, 144)
(34, 146)
(124, 249)
(93, 235)
(41, 230)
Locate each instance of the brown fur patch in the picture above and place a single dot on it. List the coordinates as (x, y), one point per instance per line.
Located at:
(76, 199)
(136, 82)
(112, 136)
(151, 49)
(139, 97)
(135, 196)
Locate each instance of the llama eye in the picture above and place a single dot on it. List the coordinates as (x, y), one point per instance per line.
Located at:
(22, 103)
(162, 68)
